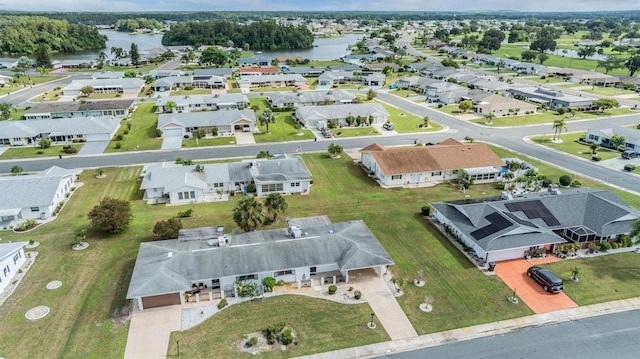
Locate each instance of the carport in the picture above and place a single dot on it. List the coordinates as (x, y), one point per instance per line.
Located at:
(514, 274)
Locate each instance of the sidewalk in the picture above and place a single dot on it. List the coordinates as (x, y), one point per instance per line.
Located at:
(479, 331)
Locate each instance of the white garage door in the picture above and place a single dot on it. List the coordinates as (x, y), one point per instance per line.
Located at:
(496, 256)
(98, 137)
(168, 132)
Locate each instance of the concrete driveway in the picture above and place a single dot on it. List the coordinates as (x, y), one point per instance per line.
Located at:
(149, 332)
(514, 274)
(93, 148)
(244, 138)
(171, 142)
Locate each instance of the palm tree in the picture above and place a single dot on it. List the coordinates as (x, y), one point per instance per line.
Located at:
(248, 214)
(170, 106)
(275, 203)
(489, 118)
(559, 125)
(594, 148)
(425, 121)
(267, 117)
(16, 170)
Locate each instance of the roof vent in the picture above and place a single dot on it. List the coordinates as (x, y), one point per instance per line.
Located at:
(170, 254)
(295, 231)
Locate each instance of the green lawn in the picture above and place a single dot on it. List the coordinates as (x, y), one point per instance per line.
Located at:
(571, 145)
(209, 141)
(602, 278)
(549, 117)
(404, 122)
(101, 96)
(272, 89)
(33, 79)
(547, 80)
(282, 130)
(345, 326)
(609, 91)
(404, 93)
(142, 135)
(53, 95)
(354, 131)
(183, 92)
(33, 152)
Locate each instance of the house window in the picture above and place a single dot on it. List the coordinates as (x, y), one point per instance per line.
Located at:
(193, 194)
(218, 185)
(439, 173)
(272, 187)
(312, 270)
(284, 272)
(180, 195)
(396, 177)
(295, 184)
(35, 209)
(246, 277)
(16, 258)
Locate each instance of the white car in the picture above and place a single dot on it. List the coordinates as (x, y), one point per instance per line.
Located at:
(388, 126)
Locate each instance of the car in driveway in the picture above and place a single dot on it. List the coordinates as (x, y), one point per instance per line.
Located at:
(546, 278)
(388, 126)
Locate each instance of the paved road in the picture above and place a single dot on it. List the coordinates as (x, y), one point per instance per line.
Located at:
(608, 336)
(22, 96)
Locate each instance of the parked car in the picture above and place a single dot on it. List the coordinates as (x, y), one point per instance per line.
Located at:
(546, 278)
(388, 126)
(629, 154)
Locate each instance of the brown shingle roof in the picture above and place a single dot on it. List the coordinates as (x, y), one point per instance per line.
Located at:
(446, 156)
(373, 147)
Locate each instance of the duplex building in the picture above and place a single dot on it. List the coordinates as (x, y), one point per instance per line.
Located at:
(551, 98)
(226, 122)
(206, 82)
(209, 182)
(310, 116)
(205, 260)
(59, 131)
(280, 80)
(53, 110)
(124, 86)
(309, 98)
(192, 103)
(12, 258)
(602, 136)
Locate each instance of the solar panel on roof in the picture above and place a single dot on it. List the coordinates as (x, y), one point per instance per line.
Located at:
(534, 209)
(498, 223)
(520, 220)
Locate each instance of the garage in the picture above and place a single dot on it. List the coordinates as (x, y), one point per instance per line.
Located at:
(160, 300)
(513, 253)
(97, 137)
(172, 131)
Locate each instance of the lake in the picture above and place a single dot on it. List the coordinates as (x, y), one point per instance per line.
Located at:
(324, 48)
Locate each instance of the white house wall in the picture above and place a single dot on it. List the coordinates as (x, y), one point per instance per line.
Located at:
(174, 196)
(9, 267)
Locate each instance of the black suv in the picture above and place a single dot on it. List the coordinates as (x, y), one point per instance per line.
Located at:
(547, 279)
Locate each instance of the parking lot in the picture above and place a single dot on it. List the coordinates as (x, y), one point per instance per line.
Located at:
(514, 274)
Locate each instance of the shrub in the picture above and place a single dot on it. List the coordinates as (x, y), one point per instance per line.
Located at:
(332, 289)
(269, 283)
(565, 180)
(223, 303)
(500, 185)
(357, 294)
(287, 337)
(596, 158)
(425, 210)
(576, 183)
(126, 132)
(188, 88)
(70, 149)
(546, 182)
(128, 125)
(39, 152)
(251, 187)
(185, 213)
(562, 111)
(119, 137)
(253, 341)
(118, 145)
(629, 168)
(158, 132)
(26, 225)
(605, 246)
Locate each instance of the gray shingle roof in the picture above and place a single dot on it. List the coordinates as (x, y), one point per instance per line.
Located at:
(59, 127)
(37, 190)
(350, 244)
(339, 111)
(306, 97)
(218, 99)
(598, 210)
(79, 106)
(7, 249)
(205, 119)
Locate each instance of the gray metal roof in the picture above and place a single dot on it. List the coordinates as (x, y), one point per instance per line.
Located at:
(7, 249)
(125, 83)
(600, 211)
(217, 99)
(171, 266)
(279, 170)
(213, 72)
(37, 190)
(206, 119)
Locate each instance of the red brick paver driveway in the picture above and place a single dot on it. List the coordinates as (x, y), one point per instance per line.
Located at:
(514, 274)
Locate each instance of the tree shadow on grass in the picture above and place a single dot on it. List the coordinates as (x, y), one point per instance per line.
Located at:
(118, 306)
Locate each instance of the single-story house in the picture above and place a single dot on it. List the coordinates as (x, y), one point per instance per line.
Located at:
(419, 66)
(210, 82)
(5, 80)
(281, 80)
(553, 99)
(257, 61)
(12, 258)
(53, 110)
(125, 86)
(631, 82)
(489, 84)
(330, 78)
(507, 229)
(309, 98)
(400, 166)
(227, 122)
(309, 116)
(602, 136)
(212, 263)
(485, 102)
(157, 74)
(33, 196)
(444, 92)
(191, 103)
(201, 183)
(60, 131)
(258, 71)
(583, 76)
(206, 74)
(107, 75)
(306, 71)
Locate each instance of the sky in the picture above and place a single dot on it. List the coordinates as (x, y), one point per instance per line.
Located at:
(317, 5)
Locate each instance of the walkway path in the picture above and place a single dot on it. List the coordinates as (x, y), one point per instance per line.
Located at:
(379, 295)
(150, 330)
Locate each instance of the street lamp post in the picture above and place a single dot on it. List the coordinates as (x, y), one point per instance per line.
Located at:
(371, 324)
